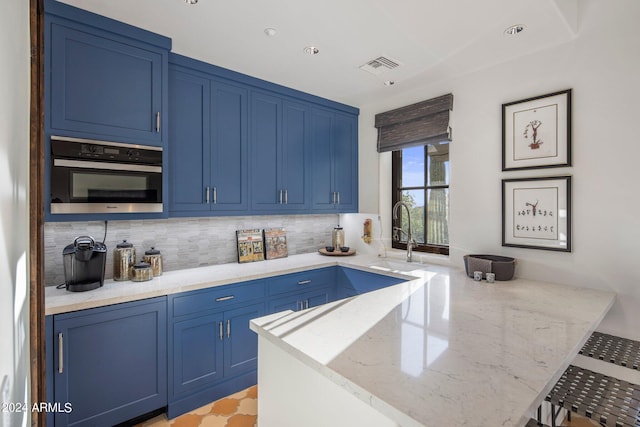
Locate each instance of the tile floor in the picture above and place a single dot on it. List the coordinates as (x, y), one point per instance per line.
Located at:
(238, 410)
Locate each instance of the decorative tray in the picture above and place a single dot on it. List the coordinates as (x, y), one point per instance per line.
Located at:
(323, 251)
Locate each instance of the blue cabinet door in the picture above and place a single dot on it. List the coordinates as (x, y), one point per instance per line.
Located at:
(229, 148)
(241, 345)
(189, 134)
(294, 155)
(322, 168)
(266, 138)
(110, 363)
(345, 162)
(105, 86)
(279, 135)
(197, 353)
(289, 302)
(334, 161)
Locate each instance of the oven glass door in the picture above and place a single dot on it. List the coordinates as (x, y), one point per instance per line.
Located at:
(101, 187)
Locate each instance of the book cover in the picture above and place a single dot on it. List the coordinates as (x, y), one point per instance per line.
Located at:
(250, 245)
(275, 241)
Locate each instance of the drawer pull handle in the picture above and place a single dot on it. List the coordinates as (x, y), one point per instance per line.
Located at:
(60, 353)
(304, 282)
(227, 298)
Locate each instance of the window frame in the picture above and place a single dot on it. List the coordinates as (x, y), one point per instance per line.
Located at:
(396, 195)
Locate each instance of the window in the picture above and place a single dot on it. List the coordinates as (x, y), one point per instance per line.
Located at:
(421, 180)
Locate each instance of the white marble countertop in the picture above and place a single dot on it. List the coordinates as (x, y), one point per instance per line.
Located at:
(114, 292)
(443, 349)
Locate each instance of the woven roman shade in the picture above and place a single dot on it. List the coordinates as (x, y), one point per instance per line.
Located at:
(423, 123)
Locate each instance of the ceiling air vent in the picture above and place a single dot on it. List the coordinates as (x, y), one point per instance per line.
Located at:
(379, 65)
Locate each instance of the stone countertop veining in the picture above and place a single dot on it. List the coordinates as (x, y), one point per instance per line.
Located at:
(443, 349)
(113, 292)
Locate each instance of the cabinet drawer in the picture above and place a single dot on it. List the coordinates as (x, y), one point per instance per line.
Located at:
(216, 298)
(301, 281)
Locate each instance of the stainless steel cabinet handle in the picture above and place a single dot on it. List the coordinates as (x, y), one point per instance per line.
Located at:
(304, 282)
(227, 298)
(60, 353)
(220, 331)
(280, 196)
(158, 122)
(228, 328)
(306, 303)
(333, 197)
(338, 193)
(206, 195)
(215, 195)
(286, 197)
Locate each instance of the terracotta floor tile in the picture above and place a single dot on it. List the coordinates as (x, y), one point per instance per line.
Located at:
(248, 407)
(252, 392)
(214, 421)
(240, 420)
(187, 420)
(225, 406)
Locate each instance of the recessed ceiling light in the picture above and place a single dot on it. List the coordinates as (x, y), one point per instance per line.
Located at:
(514, 29)
(270, 32)
(191, 1)
(311, 50)
(389, 83)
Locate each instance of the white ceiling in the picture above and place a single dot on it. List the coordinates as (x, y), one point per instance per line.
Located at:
(432, 39)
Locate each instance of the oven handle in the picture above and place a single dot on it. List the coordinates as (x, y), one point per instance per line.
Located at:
(106, 166)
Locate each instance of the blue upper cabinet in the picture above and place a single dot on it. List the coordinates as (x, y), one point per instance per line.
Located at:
(279, 144)
(208, 141)
(189, 135)
(334, 161)
(229, 152)
(107, 80)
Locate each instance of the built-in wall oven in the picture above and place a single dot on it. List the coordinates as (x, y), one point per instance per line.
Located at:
(90, 176)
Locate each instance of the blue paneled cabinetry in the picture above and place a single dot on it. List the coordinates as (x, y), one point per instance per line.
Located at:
(109, 363)
(182, 351)
(212, 351)
(334, 166)
(279, 154)
(208, 142)
(107, 80)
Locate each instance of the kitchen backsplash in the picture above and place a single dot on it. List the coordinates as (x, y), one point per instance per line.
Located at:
(183, 242)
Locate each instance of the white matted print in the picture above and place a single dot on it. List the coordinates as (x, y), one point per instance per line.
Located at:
(536, 132)
(536, 213)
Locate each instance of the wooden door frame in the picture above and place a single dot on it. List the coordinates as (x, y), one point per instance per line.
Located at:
(36, 212)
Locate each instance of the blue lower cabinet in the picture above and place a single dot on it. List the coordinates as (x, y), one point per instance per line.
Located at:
(302, 300)
(352, 281)
(197, 353)
(110, 363)
(212, 351)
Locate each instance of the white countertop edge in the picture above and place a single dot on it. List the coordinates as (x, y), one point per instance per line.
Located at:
(59, 301)
(570, 358)
(367, 397)
(263, 327)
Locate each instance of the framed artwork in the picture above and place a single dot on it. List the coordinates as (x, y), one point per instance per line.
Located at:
(250, 245)
(275, 242)
(536, 213)
(536, 132)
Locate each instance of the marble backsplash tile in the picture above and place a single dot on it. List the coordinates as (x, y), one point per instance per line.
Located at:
(183, 242)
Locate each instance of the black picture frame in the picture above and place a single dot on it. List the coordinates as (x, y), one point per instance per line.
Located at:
(536, 213)
(536, 132)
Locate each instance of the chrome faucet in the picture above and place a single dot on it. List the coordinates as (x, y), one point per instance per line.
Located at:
(410, 241)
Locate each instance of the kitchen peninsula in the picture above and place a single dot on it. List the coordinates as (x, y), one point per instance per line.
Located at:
(437, 350)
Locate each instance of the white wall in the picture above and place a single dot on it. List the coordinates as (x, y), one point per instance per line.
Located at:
(14, 208)
(602, 66)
